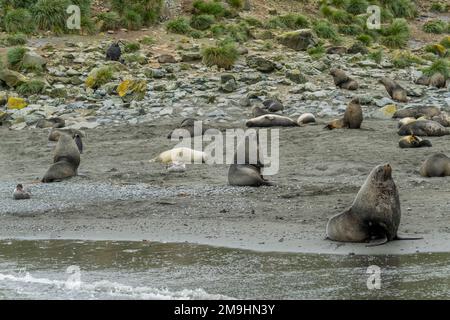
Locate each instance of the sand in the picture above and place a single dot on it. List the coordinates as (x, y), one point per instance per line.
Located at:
(120, 196)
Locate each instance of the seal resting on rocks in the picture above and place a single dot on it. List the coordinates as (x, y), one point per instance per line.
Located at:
(374, 214)
(343, 81)
(352, 119)
(114, 52)
(20, 193)
(180, 155)
(437, 165)
(306, 118)
(258, 111)
(413, 141)
(273, 105)
(442, 119)
(417, 112)
(51, 123)
(423, 128)
(66, 160)
(394, 89)
(188, 124)
(271, 120)
(404, 121)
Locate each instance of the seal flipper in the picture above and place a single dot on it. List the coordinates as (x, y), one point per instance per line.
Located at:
(380, 242)
(397, 237)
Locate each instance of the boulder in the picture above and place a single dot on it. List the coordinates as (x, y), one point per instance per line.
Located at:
(12, 78)
(261, 64)
(299, 40)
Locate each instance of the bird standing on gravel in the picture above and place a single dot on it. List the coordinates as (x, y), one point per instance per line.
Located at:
(20, 193)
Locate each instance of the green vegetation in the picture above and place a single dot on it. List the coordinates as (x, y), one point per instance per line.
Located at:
(209, 7)
(16, 39)
(439, 7)
(376, 56)
(132, 47)
(435, 26)
(437, 49)
(396, 35)
(132, 20)
(288, 21)
(31, 87)
(224, 55)
(446, 42)
(401, 8)
(403, 59)
(350, 29)
(14, 56)
(50, 15)
(317, 51)
(147, 40)
(19, 20)
(202, 21)
(366, 39)
(439, 66)
(109, 21)
(357, 6)
(145, 11)
(325, 29)
(178, 25)
(236, 4)
(99, 77)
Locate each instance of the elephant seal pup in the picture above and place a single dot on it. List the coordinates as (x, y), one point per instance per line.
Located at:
(437, 165)
(306, 118)
(374, 214)
(352, 119)
(273, 105)
(20, 193)
(413, 141)
(257, 112)
(246, 175)
(343, 81)
(66, 160)
(395, 90)
(56, 133)
(271, 120)
(180, 155)
(423, 128)
(417, 112)
(189, 125)
(442, 119)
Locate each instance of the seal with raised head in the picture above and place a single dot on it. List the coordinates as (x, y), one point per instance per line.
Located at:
(246, 169)
(374, 214)
(273, 105)
(353, 117)
(343, 81)
(423, 128)
(436, 165)
(258, 111)
(56, 133)
(413, 141)
(271, 120)
(20, 193)
(114, 52)
(66, 159)
(396, 91)
(306, 118)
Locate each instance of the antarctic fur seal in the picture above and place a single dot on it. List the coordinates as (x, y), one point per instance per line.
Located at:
(353, 117)
(436, 165)
(417, 112)
(189, 125)
(66, 159)
(413, 141)
(374, 214)
(114, 52)
(395, 90)
(343, 81)
(273, 105)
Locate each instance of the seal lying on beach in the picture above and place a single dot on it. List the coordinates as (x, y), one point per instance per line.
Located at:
(306, 118)
(273, 105)
(343, 81)
(394, 89)
(51, 123)
(20, 194)
(271, 120)
(413, 141)
(188, 125)
(66, 159)
(56, 133)
(374, 214)
(423, 128)
(180, 155)
(417, 112)
(246, 169)
(437, 165)
(404, 121)
(353, 117)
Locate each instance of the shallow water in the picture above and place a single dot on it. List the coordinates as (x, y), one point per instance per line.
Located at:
(144, 270)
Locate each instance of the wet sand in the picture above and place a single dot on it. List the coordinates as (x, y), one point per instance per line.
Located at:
(120, 196)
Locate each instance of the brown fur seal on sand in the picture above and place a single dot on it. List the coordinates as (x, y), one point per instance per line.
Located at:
(374, 214)
(437, 165)
(417, 112)
(352, 119)
(51, 123)
(394, 89)
(258, 111)
(413, 142)
(56, 133)
(65, 161)
(271, 120)
(343, 81)
(423, 128)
